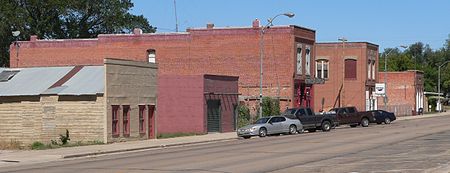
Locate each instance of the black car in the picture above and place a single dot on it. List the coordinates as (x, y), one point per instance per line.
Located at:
(381, 116)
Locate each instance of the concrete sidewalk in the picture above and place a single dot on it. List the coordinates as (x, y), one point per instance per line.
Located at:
(15, 158)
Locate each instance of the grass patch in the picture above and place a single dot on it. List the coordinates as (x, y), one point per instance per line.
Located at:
(174, 135)
(40, 146)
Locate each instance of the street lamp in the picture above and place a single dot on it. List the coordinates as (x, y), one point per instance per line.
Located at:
(343, 40)
(385, 75)
(261, 54)
(439, 85)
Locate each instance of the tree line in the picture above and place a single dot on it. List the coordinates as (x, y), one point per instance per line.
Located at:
(420, 56)
(65, 19)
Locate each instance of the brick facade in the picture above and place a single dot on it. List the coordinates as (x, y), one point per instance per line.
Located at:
(355, 91)
(405, 92)
(225, 51)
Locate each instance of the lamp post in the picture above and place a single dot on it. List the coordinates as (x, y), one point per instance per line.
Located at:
(385, 75)
(261, 54)
(343, 40)
(439, 85)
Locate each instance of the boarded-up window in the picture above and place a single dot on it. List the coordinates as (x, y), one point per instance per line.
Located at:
(142, 119)
(115, 120)
(350, 69)
(126, 120)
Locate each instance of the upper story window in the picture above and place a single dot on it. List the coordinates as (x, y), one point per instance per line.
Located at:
(322, 69)
(308, 60)
(299, 59)
(350, 69)
(151, 55)
(369, 69)
(373, 70)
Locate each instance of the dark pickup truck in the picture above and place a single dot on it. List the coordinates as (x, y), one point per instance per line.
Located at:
(311, 121)
(351, 116)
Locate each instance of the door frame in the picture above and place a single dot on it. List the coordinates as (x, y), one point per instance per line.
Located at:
(151, 121)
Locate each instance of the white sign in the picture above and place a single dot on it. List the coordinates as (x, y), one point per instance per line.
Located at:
(380, 89)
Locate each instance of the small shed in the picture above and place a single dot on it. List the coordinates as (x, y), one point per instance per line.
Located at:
(196, 104)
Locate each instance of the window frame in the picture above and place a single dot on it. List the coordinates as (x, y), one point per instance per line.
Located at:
(299, 61)
(126, 109)
(115, 129)
(142, 115)
(322, 63)
(348, 75)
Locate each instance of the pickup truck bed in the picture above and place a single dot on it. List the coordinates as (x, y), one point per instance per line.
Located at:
(311, 121)
(351, 116)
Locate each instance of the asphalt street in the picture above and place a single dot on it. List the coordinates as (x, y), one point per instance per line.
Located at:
(420, 145)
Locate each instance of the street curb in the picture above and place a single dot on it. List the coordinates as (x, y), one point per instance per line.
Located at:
(144, 148)
(200, 142)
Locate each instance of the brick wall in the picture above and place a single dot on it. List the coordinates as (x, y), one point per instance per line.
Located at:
(354, 90)
(45, 118)
(224, 51)
(402, 89)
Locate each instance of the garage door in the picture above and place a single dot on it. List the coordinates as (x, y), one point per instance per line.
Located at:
(213, 115)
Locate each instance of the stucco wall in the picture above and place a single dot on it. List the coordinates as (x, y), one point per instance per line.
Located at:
(45, 118)
(129, 83)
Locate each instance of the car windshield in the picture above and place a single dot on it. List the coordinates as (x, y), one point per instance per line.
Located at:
(262, 121)
(289, 112)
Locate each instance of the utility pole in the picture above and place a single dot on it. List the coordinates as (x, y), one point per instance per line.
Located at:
(342, 97)
(439, 85)
(176, 17)
(261, 55)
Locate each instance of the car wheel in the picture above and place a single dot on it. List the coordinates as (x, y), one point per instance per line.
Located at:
(326, 126)
(353, 125)
(387, 120)
(247, 137)
(262, 132)
(365, 122)
(292, 129)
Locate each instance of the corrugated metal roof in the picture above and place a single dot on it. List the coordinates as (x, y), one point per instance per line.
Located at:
(36, 81)
(90, 80)
(32, 81)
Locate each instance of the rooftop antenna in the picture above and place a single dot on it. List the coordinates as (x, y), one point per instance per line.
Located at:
(176, 18)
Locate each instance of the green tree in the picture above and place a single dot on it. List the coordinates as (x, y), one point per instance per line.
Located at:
(270, 106)
(65, 19)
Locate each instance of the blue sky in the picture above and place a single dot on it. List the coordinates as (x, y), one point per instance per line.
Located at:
(388, 23)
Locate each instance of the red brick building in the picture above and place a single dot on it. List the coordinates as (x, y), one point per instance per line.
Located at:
(196, 104)
(232, 51)
(352, 86)
(405, 92)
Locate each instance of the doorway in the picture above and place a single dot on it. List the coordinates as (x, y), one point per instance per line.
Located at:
(213, 115)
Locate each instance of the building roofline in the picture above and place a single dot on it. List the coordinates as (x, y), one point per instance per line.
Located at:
(358, 42)
(299, 27)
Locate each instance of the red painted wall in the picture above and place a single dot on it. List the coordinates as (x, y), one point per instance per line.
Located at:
(182, 102)
(180, 105)
(225, 89)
